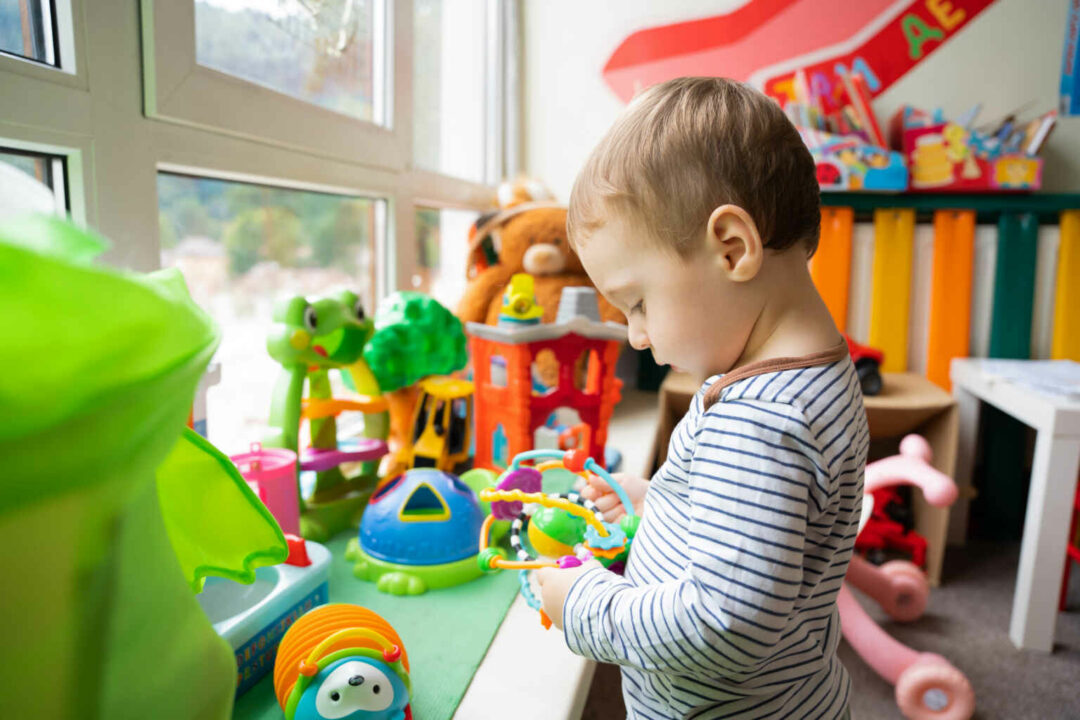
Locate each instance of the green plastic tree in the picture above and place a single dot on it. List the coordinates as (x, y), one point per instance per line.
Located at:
(414, 337)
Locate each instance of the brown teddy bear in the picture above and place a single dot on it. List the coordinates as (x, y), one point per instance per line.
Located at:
(527, 237)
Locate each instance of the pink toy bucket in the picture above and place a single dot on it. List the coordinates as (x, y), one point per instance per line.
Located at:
(271, 473)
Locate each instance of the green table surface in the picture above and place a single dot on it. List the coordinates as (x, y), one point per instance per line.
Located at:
(445, 632)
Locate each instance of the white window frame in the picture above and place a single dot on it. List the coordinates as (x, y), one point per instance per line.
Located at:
(119, 122)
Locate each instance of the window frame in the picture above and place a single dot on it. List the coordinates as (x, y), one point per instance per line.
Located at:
(69, 47)
(116, 139)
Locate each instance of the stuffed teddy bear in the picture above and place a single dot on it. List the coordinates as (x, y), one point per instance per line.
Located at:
(527, 237)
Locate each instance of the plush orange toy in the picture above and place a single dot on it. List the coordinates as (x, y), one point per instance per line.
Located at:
(526, 237)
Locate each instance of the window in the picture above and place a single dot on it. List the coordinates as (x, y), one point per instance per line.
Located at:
(32, 182)
(242, 247)
(322, 52)
(267, 151)
(442, 237)
(449, 81)
(27, 29)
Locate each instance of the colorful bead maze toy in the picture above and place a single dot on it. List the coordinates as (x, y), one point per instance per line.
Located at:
(562, 525)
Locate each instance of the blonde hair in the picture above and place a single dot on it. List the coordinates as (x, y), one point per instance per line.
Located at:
(687, 146)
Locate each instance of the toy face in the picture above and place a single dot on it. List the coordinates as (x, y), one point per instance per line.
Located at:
(328, 332)
(354, 689)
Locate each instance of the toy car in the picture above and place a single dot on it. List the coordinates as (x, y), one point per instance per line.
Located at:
(868, 364)
(442, 424)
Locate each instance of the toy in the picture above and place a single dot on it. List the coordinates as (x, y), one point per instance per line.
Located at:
(566, 525)
(927, 685)
(418, 533)
(890, 528)
(949, 157)
(271, 473)
(508, 409)
(519, 306)
(442, 424)
(847, 163)
(308, 339)
(531, 238)
(113, 511)
(342, 662)
(868, 362)
(415, 337)
(253, 619)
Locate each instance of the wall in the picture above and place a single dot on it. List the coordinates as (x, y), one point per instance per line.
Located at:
(1008, 56)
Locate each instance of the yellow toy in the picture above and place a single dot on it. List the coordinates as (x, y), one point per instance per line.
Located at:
(519, 301)
(442, 424)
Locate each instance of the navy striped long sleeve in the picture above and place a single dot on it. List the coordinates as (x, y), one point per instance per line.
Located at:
(728, 605)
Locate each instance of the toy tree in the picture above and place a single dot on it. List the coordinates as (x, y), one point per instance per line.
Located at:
(414, 337)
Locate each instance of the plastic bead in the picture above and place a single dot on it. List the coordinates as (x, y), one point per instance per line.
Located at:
(568, 561)
(629, 524)
(574, 460)
(486, 559)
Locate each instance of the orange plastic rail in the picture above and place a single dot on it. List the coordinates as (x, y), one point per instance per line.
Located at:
(315, 408)
(950, 292)
(831, 265)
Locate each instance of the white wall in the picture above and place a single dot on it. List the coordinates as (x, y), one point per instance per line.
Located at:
(1007, 56)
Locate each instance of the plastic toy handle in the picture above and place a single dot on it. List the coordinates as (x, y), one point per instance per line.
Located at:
(310, 667)
(912, 467)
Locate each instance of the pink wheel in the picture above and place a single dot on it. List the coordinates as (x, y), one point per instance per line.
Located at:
(932, 689)
(909, 590)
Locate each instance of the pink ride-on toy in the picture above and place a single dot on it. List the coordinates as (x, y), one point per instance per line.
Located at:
(927, 686)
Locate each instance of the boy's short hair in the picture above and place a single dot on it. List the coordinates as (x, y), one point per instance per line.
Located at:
(685, 147)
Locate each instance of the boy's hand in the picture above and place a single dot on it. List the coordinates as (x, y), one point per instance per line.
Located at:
(608, 502)
(554, 586)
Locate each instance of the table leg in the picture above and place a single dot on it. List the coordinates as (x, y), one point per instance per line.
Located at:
(967, 407)
(1046, 526)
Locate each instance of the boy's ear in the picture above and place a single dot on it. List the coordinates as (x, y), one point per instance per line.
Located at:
(734, 242)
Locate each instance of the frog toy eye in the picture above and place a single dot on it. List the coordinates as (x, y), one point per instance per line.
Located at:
(358, 310)
(311, 320)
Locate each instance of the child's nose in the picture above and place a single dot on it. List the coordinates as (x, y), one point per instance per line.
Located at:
(636, 334)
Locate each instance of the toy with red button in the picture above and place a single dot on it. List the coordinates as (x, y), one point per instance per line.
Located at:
(552, 529)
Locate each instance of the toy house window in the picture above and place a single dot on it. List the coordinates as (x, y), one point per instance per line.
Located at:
(498, 371)
(424, 505)
(545, 372)
(587, 372)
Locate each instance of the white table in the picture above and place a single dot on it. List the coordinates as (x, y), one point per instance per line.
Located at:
(528, 673)
(1056, 418)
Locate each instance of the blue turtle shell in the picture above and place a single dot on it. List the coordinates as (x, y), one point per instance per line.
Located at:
(422, 517)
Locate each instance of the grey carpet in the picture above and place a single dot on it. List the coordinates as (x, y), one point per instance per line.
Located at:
(967, 622)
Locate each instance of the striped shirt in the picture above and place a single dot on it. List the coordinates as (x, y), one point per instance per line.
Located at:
(728, 605)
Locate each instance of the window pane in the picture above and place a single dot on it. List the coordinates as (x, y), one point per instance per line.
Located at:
(319, 51)
(243, 247)
(26, 29)
(443, 240)
(32, 182)
(448, 86)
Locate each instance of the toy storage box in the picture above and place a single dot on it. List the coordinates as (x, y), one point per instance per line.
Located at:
(944, 157)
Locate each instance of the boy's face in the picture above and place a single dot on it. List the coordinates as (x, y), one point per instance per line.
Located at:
(684, 309)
